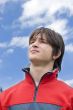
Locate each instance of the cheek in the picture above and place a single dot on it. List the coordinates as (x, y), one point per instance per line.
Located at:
(47, 51)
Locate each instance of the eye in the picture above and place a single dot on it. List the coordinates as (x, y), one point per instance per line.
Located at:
(43, 41)
(31, 41)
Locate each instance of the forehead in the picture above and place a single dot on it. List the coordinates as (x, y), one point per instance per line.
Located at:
(39, 36)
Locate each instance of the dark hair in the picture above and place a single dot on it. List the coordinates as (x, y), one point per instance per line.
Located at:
(55, 40)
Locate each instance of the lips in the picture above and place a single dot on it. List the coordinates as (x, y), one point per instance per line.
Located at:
(34, 51)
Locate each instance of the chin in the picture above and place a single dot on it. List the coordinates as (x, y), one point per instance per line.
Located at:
(33, 58)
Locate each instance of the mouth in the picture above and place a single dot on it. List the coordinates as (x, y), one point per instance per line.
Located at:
(34, 51)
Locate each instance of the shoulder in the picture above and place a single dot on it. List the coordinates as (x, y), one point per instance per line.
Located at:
(64, 86)
(11, 90)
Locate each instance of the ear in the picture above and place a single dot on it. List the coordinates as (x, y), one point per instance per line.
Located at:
(57, 56)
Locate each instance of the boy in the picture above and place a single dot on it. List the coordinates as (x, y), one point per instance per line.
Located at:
(41, 90)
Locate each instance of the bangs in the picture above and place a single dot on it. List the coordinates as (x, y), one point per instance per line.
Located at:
(43, 36)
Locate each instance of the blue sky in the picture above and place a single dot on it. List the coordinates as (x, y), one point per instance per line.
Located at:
(18, 18)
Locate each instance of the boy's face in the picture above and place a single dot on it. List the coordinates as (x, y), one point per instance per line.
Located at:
(39, 50)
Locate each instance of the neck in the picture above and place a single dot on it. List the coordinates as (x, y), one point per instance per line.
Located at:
(38, 71)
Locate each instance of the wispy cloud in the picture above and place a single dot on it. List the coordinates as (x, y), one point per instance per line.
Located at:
(69, 47)
(32, 9)
(57, 24)
(51, 7)
(3, 44)
(15, 42)
(10, 46)
(10, 51)
(19, 42)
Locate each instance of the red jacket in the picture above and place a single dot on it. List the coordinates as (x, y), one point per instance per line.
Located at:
(51, 94)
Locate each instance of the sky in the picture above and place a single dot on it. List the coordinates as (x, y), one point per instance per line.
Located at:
(18, 18)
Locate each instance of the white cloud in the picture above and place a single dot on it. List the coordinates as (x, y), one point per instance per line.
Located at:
(59, 26)
(10, 51)
(3, 45)
(34, 8)
(9, 47)
(69, 47)
(32, 11)
(19, 42)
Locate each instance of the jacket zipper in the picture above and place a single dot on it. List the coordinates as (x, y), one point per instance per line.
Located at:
(35, 93)
(36, 87)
